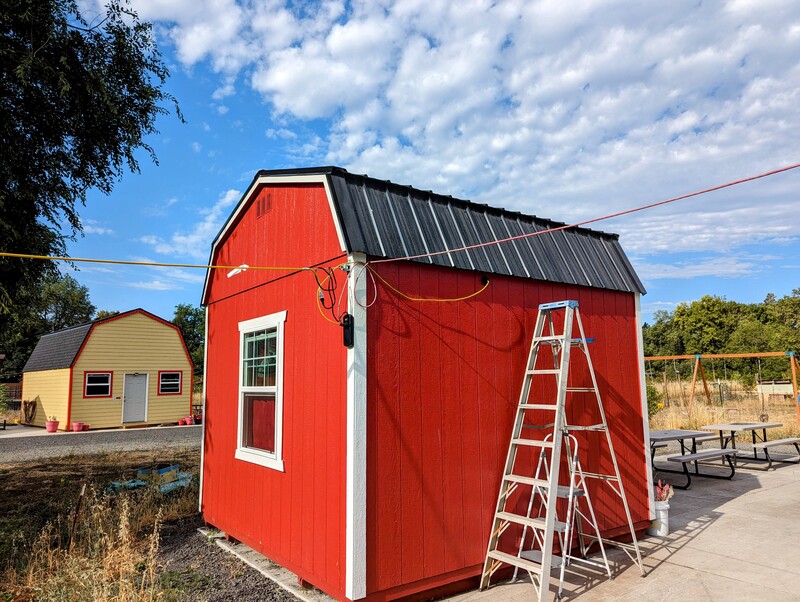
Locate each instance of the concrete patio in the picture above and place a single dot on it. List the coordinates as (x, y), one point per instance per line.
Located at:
(729, 540)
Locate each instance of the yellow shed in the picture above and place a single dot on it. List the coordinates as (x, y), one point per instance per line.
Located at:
(131, 369)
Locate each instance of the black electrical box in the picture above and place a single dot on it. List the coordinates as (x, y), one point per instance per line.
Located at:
(348, 330)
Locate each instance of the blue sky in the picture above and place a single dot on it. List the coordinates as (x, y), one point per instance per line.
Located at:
(564, 110)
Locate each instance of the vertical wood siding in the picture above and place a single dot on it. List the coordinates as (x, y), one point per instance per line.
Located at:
(295, 517)
(52, 388)
(443, 384)
(131, 343)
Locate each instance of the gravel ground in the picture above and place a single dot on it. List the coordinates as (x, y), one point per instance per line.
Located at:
(53, 445)
(203, 571)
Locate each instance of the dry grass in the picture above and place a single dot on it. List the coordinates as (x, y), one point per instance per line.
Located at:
(113, 553)
(737, 405)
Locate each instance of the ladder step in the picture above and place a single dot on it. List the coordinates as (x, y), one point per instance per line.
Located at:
(533, 443)
(586, 427)
(530, 521)
(604, 477)
(549, 371)
(537, 406)
(522, 563)
(536, 556)
(557, 305)
(581, 390)
(563, 492)
(549, 338)
(514, 478)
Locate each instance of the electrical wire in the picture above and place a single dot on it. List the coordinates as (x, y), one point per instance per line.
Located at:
(423, 299)
(151, 263)
(595, 219)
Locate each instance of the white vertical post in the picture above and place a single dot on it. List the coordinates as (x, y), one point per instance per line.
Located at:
(645, 416)
(191, 393)
(356, 520)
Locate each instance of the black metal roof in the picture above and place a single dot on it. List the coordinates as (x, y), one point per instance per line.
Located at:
(58, 349)
(388, 220)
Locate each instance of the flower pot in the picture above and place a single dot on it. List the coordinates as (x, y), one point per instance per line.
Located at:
(181, 422)
(189, 419)
(77, 427)
(660, 526)
(51, 426)
(85, 427)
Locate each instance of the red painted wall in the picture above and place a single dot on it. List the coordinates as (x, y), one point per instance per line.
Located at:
(296, 517)
(443, 384)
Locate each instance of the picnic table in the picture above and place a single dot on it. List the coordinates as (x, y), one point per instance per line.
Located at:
(690, 455)
(758, 433)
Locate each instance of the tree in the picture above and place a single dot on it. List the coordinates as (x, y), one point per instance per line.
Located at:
(191, 321)
(56, 303)
(77, 100)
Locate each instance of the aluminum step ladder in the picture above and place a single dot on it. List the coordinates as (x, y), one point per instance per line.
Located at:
(549, 379)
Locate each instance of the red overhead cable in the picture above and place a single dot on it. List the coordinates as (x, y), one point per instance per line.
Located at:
(595, 219)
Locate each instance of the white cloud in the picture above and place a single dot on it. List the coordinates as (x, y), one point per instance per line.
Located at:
(195, 243)
(720, 267)
(91, 226)
(197, 147)
(562, 109)
(155, 285)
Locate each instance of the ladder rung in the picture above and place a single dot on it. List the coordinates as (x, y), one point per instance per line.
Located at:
(587, 427)
(549, 338)
(515, 561)
(532, 522)
(533, 443)
(536, 556)
(537, 406)
(581, 390)
(549, 371)
(514, 478)
(563, 492)
(605, 477)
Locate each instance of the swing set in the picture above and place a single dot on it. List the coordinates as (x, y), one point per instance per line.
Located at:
(698, 369)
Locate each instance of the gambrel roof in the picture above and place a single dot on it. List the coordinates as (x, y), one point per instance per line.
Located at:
(386, 220)
(60, 349)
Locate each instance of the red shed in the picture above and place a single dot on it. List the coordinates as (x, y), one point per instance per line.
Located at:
(372, 471)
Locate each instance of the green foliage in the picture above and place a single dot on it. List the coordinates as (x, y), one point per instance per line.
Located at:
(715, 325)
(653, 400)
(77, 101)
(191, 322)
(3, 400)
(53, 304)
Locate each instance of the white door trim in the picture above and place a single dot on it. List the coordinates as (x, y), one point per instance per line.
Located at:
(645, 416)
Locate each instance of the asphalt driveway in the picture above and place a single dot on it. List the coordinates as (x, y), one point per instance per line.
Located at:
(20, 443)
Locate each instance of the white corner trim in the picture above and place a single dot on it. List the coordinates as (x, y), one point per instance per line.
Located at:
(643, 393)
(203, 427)
(356, 505)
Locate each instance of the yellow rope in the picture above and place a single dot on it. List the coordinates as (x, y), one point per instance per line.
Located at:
(420, 299)
(151, 263)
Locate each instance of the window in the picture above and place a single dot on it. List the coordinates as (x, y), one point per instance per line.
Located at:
(169, 383)
(261, 390)
(97, 384)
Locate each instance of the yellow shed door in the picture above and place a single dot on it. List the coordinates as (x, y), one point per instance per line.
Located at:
(134, 398)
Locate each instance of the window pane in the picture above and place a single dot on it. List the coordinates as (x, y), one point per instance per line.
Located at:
(260, 358)
(98, 385)
(169, 382)
(259, 421)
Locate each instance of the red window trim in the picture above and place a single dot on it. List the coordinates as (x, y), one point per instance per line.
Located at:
(180, 387)
(110, 384)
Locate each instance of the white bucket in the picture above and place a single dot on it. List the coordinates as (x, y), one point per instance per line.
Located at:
(660, 526)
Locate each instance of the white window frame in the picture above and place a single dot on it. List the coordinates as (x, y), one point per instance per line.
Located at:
(249, 454)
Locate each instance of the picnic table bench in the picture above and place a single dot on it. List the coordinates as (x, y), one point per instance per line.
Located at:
(765, 445)
(727, 455)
